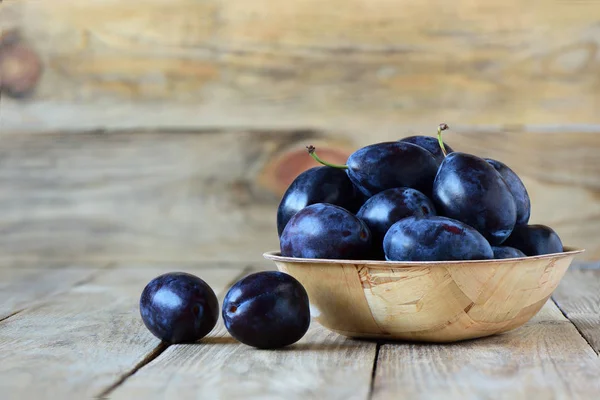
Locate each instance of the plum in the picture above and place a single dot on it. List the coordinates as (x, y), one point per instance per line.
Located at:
(325, 231)
(267, 310)
(430, 144)
(501, 252)
(434, 239)
(178, 307)
(517, 188)
(384, 209)
(535, 240)
(318, 185)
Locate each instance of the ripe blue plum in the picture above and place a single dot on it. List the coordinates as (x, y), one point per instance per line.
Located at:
(434, 239)
(430, 144)
(535, 240)
(517, 188)
(318, 185)
(470, 190)
(388, 165)
(384, 209)
(325, 231)
(501, 252)
(267, 310)
(179, 307)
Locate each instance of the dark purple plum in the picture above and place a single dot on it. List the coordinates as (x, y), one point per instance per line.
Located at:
(267, 310)
(318, 185)
(517, 188)
(325, 231)
(434, 239)
(430, 144)
(384, 209)
(179, 307)
(501, 252)
(470, 190)
(388, 165)
(535, 240)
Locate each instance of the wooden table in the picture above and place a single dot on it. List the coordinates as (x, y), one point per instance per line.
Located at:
(74, 331)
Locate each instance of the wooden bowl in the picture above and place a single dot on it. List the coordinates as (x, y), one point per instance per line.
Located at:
(441, 301)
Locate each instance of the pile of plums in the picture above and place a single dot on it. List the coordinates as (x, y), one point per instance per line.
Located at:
(265, 310)
(411, 200)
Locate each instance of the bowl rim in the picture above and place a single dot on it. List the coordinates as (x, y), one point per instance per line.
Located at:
(276, 256)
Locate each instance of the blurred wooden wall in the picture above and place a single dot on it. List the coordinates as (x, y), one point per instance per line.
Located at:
(167, 130)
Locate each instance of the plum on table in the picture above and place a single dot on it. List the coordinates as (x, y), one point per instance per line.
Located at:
(267, 310)
(178, 307)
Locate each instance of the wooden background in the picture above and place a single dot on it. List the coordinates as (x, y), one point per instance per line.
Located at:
(167, 130)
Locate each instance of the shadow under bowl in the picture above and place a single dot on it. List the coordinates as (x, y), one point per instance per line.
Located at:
(439, 301)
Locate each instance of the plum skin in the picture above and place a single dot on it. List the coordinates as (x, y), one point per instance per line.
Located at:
(430, 144)
(434, 239)
(502, 252)
(517, 188)
(325, 231)
(178, 307)
(535, 240)
(384, 209)
(388, 165)
(318, 185)
(267, 310)
(470, 190)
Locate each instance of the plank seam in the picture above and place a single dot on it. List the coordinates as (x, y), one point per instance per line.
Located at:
(158, 350)
(36, 303)
(575, 325)
(374, 371)
(12, 315)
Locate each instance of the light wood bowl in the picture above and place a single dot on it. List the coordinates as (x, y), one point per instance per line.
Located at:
(441, 301)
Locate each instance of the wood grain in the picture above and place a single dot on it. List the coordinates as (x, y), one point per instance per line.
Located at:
(79, 343)
(147, 197)
(322, 365)
(578, 297)
(359, 65)
(212, 196)
(545, 359)
(21, 287)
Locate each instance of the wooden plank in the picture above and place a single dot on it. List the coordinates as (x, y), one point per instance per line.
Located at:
(79, 343)
(322, 365)
(212, 196)
(130, 197)
(546, 358)
(578, 297)
(359, 65)
(24, 286)
(586, 265)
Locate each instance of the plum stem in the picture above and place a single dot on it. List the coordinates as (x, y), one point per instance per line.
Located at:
(311, 150)
(442, 127)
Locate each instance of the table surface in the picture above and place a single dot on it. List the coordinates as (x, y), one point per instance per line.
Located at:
(74, 331)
